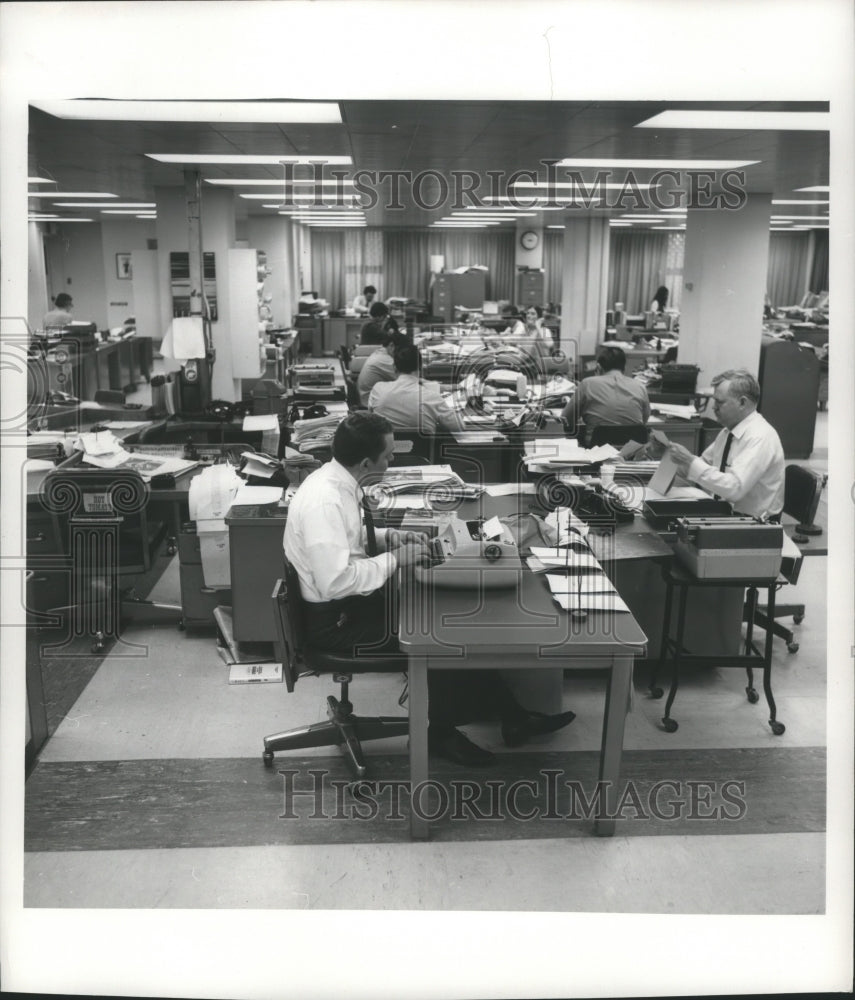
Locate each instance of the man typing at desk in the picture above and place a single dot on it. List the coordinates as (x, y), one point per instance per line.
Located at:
(345, 589)
(745, 463)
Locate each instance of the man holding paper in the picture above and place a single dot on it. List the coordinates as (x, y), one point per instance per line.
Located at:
(745, 463)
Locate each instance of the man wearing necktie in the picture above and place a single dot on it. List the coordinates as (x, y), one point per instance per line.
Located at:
(347, 572)
(745, 463)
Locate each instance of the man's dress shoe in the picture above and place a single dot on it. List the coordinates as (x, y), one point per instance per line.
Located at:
(520, 728)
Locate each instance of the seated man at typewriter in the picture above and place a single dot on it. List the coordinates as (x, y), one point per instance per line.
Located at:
(745, 463)
(349, 601)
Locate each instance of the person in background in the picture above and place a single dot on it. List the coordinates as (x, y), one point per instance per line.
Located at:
(410, 404)
(381, 323)
(379, 366)
(609, 397)
(347, 591)
(362, 303)
(660, 300)
(745, 463)
(60, 316)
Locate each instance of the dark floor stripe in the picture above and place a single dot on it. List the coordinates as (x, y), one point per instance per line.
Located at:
(225, 802)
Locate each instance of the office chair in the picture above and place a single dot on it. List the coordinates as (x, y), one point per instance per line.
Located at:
(342, 728)
(103, 514)
(802, 490)
(617, 435)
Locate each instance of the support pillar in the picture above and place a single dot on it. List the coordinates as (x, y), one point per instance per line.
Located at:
(585, 283)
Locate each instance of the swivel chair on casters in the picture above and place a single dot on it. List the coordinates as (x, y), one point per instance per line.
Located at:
(802, 490)
(300, 659)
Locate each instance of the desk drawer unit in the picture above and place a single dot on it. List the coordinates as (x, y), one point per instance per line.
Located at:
(255, 554)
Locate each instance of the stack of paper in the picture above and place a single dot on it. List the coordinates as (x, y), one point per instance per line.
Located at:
(260, 466)
(551, 453)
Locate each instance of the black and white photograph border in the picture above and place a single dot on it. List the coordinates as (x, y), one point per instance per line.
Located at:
(59, 936)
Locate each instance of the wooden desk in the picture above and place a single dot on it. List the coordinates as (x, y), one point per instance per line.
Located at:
(523, 627)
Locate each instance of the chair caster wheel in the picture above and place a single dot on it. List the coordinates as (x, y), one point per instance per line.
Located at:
(778, 728)
(267, 757)
(792, 647)
(171, 546)
(98, 646)
(181, 626)
(798, 619)
(753, 697)
(670, 725)
(655, 692)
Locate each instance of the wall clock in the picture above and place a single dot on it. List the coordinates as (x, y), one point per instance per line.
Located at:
(529, 239)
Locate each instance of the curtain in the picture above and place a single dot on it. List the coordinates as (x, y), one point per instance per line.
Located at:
(406, 262)
(786, 277)
(328, 266)
(819, 268)
(363, 262)
(407, 253)
(553, 264)
(638, 265)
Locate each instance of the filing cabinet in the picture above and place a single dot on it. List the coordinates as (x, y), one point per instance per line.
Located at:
(197, 601)
(530, 288)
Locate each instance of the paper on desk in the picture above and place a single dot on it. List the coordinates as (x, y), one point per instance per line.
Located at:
(124, 425)
(262, 422)
(594, 582)
(674, 410)
(492, 528)
(510, 489)
(256, 495)
(184, 339)
(565, 558)
(100, 443)
(591, 602)
(677, 493)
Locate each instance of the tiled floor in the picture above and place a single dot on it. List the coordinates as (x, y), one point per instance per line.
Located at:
(175, 704)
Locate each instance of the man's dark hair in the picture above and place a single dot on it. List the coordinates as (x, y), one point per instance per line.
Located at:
(369, 288)
(62, 301)
(610, 358)
(360, 435)
(378, 309)
(407, 359)
(396, 338)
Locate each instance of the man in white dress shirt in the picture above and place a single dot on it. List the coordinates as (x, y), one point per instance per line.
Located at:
(745, 463)
(347, 595)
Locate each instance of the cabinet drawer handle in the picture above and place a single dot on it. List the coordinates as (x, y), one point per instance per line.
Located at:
(40, 537)
(207, 590)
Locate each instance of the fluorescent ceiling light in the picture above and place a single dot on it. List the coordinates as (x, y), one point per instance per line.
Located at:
(653, 218)
(817, 187)
(799, 201)
(40, 180)
(503, 217)
(57, 218)
(101, 204)
(274, 112)
(555, 227)
(70, 194)
(234, 158)
(119, 211)
(803, 218)
(255, 182)
(146, 216)
(679, 228)
(748, 121)
(672, 164)
(573, 185)
(350, 197)
(681, 210)
(611, 223)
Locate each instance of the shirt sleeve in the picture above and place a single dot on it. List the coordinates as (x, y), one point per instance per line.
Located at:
(743, 474)
(645, 407)
(335, 570)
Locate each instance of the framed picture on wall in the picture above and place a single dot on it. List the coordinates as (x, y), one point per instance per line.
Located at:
(123, 266)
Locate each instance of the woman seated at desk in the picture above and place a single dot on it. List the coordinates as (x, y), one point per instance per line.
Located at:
(529, 334)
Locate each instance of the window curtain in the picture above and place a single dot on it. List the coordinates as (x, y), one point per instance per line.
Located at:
(407, 253)
(786, 277)
(406, 262)
(328, 266)
(638, 265)
(363, 261)
(553, 264)
(819, 267)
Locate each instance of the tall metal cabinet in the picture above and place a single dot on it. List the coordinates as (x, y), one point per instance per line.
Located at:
(450, 290)
(789, 393)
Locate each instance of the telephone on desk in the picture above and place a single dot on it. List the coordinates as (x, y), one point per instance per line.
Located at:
(465, 555)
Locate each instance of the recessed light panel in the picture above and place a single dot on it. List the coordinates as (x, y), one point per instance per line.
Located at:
(274, 112)
(742, 121)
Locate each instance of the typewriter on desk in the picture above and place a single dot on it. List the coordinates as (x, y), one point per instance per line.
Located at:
(312, 376)
(729, 548)
(466, 555)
